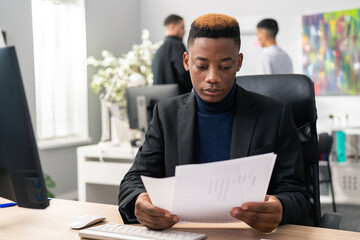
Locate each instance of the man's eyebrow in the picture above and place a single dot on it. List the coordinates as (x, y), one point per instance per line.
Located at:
(226, 59)
(222, 60)
(201, 59)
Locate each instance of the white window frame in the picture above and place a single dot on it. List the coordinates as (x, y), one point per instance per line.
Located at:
(59, 38)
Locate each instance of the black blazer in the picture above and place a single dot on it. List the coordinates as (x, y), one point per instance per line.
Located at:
(167, 65)
(260, 125)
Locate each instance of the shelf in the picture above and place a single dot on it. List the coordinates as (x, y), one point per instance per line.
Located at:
(323, 163)
(345, 164)
(325, 199)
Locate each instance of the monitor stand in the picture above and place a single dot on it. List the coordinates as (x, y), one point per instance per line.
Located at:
(142, 110)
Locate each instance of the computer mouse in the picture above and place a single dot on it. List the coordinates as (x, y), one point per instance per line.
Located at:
(85, 221)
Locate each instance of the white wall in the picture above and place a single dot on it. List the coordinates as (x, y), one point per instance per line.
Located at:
(15, 19)
(115, 25)
(287, 13)
(111, 25)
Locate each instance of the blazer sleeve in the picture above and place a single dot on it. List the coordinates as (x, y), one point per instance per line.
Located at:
(288, 182)
(149, 161)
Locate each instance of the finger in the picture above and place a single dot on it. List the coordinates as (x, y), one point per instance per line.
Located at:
(267, 197)
(155, 211)
(152, 216)
(155, 225)
(157, 219)
(251, 216)
(264, 222)
(143, 203)
(269, 206)
(258, 207)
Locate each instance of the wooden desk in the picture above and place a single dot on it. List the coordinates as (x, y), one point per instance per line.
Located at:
(52, 223)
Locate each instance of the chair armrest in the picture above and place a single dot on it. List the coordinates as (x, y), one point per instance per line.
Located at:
(331, 220)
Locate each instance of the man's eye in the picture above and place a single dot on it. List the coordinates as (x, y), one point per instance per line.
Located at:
(201, 67)
(225, 67)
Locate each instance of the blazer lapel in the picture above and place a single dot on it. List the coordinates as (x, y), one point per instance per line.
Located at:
(186, 131)
(244, 121)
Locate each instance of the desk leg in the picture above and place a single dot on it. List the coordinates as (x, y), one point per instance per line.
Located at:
(81, 181)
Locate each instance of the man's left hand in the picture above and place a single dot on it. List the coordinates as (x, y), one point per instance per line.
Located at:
(263, 216)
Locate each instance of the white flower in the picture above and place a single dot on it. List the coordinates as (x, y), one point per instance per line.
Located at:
(92, 61)
(142, 69)
(106, 53)
(129, 70)
(136, 79)
(145, 34)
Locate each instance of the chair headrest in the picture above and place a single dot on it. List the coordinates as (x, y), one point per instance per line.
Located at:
(295, 89)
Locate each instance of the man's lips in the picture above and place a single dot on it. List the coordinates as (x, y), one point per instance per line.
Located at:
(212, 91)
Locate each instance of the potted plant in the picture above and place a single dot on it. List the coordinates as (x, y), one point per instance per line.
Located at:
(116, 74)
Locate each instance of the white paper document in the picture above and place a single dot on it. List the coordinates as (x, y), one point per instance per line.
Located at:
(207, 192)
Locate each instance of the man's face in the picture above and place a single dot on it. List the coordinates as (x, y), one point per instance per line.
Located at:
(179, 29)
(262, 35)
(213, 64)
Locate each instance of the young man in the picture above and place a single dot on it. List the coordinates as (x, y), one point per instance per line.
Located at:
(273, 60)
(218, 121)
(167, 65)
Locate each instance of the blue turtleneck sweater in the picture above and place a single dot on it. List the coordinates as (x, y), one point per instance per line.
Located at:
(213, 128)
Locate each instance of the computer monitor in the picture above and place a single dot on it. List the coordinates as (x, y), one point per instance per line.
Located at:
(21, 177)
(141, 102)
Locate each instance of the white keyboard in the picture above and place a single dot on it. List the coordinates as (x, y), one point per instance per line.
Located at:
(130, 232)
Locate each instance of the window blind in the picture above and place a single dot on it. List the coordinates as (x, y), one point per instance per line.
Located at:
(60, 68)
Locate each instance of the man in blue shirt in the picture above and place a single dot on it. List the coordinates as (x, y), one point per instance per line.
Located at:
(273, 59)
(219, 121)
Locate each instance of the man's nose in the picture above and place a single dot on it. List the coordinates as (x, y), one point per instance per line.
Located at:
(212, 75)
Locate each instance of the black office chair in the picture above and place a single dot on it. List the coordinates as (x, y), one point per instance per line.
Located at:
(298, 91)
(325, 144)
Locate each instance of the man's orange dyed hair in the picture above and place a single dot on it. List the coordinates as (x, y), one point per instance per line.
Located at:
(215, 26)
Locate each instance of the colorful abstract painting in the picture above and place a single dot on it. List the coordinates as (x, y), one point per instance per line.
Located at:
(331, 51)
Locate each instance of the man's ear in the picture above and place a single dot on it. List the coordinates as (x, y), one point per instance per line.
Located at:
(172, 26)
(266, 34)
(239, 62)
(186, 61)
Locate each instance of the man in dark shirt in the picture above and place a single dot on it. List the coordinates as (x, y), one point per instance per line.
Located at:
(167, 65)
(219, 120)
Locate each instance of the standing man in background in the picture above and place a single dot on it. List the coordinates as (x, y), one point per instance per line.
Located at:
(273, 60)
(167, 65)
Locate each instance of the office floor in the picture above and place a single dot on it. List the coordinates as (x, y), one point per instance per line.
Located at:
(351, 213)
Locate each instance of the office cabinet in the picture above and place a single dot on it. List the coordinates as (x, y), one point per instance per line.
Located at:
(100, 171)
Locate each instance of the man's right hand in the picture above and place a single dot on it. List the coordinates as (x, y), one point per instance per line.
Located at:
(151, 216)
